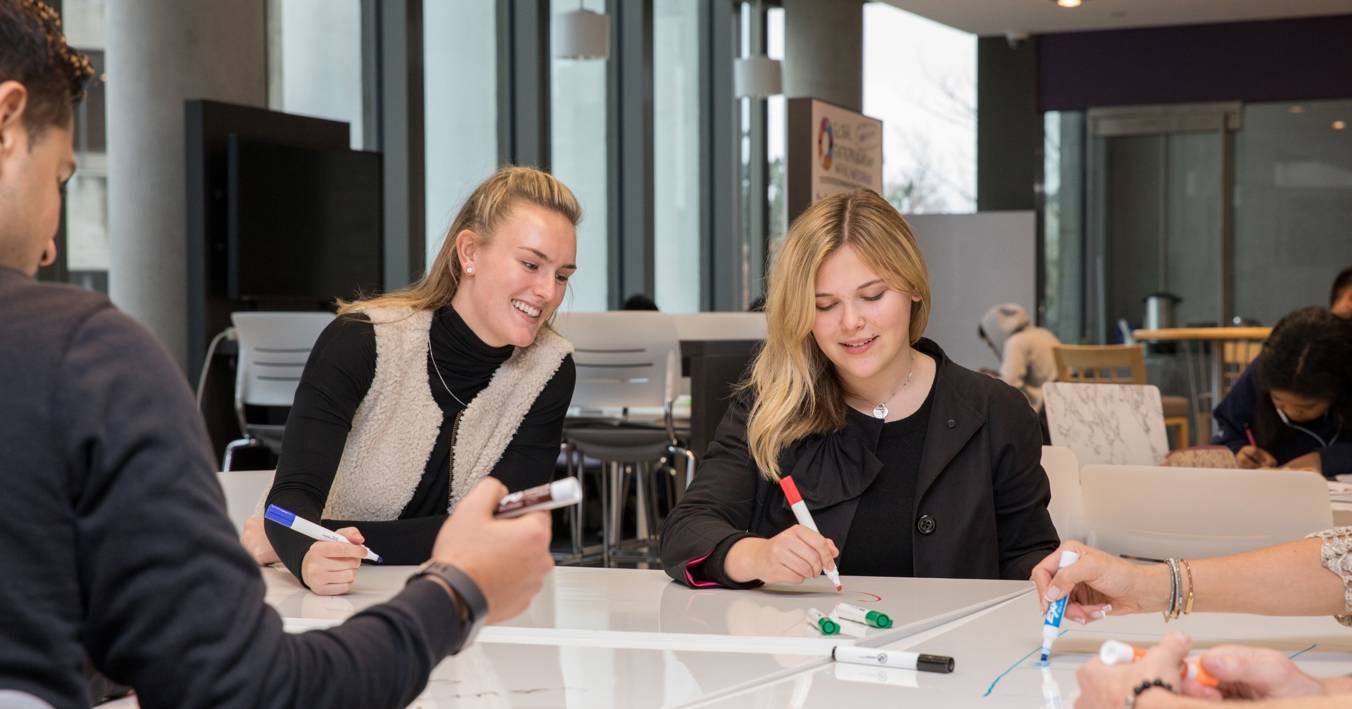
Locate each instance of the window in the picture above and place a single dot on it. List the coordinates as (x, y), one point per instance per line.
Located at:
(84, 248)
(579, 157)
(676, 184)
(920, 80)
(460, 92)
(315, 61)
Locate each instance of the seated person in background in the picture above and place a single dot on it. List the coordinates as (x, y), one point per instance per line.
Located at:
(1295, 398)
(410, 398)
(1340, 295)
(1312, 576)
(910, 464)
(118, 552)
(639, 301)
(1024, 350)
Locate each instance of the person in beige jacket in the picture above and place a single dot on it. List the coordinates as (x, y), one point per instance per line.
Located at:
(1025, 350)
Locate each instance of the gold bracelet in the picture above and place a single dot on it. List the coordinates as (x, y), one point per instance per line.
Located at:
(1187, 607)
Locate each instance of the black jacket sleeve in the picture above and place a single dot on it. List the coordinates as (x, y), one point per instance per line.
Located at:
(716, 510)
(1022, 491)
(174, 604)
(1234, 415)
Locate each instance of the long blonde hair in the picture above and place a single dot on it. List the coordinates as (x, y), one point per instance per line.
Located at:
(796, 389)
(485, 209)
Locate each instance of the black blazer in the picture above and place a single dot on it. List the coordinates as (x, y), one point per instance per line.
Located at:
(981, 493)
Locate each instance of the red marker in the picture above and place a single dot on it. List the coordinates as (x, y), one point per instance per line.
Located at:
(805, 518)
(1114, 652)
(1248, 433)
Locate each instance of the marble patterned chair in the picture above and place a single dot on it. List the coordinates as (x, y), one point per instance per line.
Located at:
(1120, 364)
(1117, 424)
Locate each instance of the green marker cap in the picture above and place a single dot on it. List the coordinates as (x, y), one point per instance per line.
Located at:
(878, 620)
(828, 626)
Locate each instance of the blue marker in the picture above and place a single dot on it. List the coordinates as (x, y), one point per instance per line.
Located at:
(1051, 625)
(310, 529)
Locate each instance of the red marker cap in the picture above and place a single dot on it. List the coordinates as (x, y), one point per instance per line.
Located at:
(790, 490)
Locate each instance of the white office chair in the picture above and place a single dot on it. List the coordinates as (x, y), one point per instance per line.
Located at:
(273, 349)
(1117, 424)
(626, 361)
(1153, 512)
(1066, 508)
(243, 491)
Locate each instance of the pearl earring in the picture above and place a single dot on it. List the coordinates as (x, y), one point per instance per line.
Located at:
(469, 269)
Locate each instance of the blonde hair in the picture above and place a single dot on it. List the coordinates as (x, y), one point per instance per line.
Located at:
(796, 390)
(490, 203)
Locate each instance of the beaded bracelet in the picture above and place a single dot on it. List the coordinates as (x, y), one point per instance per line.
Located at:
(1142, 688)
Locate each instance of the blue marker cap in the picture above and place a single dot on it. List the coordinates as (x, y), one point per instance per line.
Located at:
(279, 515)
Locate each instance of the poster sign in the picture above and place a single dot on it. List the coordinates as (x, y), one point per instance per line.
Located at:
(831, 150)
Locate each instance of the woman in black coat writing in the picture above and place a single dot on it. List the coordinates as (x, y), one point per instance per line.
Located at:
(910, 464)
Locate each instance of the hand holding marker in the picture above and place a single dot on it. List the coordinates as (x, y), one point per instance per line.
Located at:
(1115, 652)
(559, 493)
(805, 518)
(1051, 624)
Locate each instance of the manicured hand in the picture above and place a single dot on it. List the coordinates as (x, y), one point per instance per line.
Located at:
(792, 556)
(329, 568)
(254, 539)
(1099, 584)
(507, 558)
(1104, 686)
(1254, 457)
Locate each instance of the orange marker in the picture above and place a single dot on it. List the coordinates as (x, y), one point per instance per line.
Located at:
(1114, 652)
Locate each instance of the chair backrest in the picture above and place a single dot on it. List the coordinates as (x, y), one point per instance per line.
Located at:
(720, 326)
(273, 348)
(624, 358)
(1156, 513)
(1112, 364)
(1120, 424)
(243, 490)
(1066, 508)
(1235, 358)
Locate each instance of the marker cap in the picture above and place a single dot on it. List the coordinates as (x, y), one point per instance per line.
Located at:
(934, 663)
(822, 622)
(790, 490)
(880, 620)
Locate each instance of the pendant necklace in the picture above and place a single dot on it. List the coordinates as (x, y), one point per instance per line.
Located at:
(880, 411)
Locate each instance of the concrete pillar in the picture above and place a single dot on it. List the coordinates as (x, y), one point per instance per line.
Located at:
(824, 51)
(161, 53)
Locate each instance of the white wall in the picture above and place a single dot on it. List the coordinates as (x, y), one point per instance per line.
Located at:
(975, 261)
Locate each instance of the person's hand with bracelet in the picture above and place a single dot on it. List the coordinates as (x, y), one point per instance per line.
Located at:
(1258, 673)
(491, 567)
(1145, 684)
(1100, 584)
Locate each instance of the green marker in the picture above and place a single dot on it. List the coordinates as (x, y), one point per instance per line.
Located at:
(821, 622)
(861, 615)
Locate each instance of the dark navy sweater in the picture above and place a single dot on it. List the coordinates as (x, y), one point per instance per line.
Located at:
(117, 547)
(1330, 434)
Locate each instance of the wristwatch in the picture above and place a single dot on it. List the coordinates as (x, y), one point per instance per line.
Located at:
(468, 598)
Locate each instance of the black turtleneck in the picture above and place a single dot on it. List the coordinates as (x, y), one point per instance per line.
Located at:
(341, 368)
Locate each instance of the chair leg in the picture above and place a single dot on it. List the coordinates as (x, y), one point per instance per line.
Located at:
(641, 494)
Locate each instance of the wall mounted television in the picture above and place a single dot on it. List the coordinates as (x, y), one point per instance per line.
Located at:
(302, 223)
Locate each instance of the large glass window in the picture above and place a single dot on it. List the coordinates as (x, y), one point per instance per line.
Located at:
(1293, 205)
(460, 93)
(676, 183)
(85, 248)
(315, 61)
(920, 80)
(579, 157)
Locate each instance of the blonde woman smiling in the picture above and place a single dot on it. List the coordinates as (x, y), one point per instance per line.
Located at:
(910, 464)
(412, 397)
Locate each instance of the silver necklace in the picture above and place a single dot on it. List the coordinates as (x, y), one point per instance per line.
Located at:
(880, 411)
(437, 369)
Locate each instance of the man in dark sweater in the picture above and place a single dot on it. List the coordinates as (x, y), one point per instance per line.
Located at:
(116, 547)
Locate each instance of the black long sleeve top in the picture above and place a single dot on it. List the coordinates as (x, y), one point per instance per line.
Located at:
(117, 545)
(337, 377)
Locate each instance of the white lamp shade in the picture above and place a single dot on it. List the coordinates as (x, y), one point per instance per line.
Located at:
(757, 76)
(581, 34)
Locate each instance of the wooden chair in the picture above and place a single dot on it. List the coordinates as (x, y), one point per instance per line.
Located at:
(1119, 364)
(1235, 358)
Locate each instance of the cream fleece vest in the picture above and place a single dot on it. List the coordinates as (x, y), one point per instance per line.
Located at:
(396, 424)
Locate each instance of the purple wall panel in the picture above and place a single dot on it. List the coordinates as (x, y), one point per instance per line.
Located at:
(1304, 59)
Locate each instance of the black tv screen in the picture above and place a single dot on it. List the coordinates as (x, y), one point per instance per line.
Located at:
(303, 223)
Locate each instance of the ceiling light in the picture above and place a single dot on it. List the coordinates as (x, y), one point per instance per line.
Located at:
(1069, 3)
(581, 34)
(1339, 125)
(1297, 109)
(757, 76)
